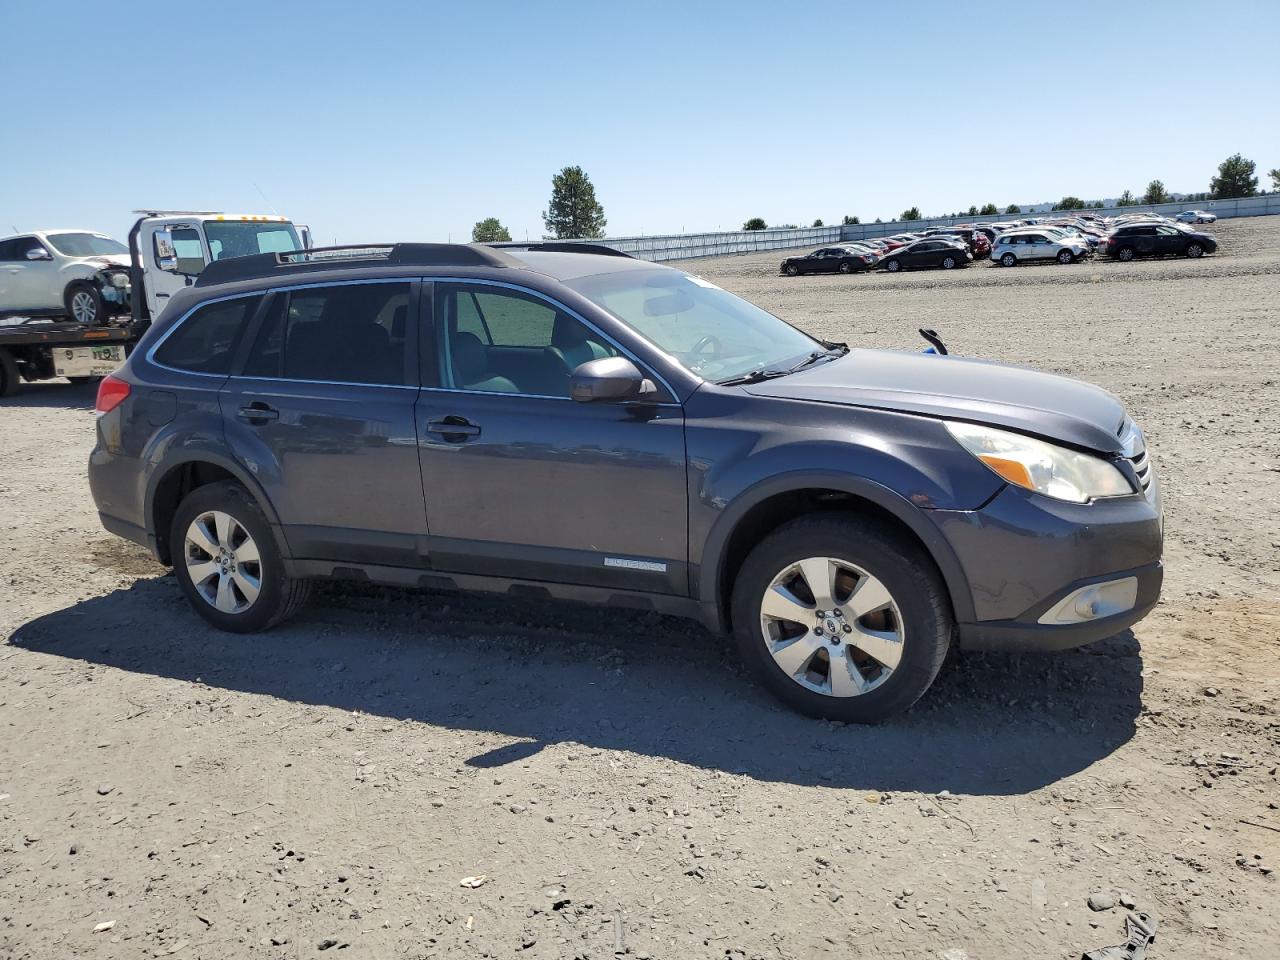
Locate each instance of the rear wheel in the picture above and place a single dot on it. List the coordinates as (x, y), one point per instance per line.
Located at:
(893, 266)
(1008, 260)
(227, 563)
(1124, 254)
(841, 618)
(948, 263)
(9, 377)
(84, 303)
(1066, 256)
(846, 267)
(1195, 250)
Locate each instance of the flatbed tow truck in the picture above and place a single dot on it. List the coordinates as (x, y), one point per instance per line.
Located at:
(167, 249)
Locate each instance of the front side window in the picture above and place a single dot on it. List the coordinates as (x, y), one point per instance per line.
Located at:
(709, 331)
(188, 249)
(86, 245)
(348, 333)
(206, 341)
(498, 340)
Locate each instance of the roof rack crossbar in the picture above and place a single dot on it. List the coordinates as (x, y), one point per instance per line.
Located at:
(393, 254)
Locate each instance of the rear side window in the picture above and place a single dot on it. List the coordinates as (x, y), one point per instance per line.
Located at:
(350, 333)
(206, 341)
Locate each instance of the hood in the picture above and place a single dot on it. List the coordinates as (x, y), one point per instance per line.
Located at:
(108, 260)
(1057, 408)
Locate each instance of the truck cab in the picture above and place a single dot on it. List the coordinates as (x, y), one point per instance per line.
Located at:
(171, 247)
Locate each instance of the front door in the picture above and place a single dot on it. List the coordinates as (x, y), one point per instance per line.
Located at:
(523, 482)
(1169, 240)
(165, 274)
(320, 408)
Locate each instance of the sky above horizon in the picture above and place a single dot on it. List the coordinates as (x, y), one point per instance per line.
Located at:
(412, 121)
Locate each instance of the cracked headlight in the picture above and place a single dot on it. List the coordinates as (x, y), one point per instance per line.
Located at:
(119, 280)
(1043, 467)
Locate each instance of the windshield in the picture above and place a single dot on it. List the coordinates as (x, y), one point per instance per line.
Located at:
(711, 332)
(244, 238)
(85, 244)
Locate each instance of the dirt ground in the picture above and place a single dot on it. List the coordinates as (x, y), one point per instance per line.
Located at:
(619, 784)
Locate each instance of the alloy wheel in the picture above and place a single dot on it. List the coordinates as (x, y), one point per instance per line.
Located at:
(832, 627)
(223, 562)
(82, 307)
(1194, 250)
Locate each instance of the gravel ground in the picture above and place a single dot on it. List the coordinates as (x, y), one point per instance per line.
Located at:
(616, 781)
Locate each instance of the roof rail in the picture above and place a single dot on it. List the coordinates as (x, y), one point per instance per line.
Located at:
(563, 246)
(390, 254)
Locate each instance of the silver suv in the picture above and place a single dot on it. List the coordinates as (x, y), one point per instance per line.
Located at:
(1037, 243)
(75, 273)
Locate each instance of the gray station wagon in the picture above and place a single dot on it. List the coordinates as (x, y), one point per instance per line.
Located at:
(563, 421)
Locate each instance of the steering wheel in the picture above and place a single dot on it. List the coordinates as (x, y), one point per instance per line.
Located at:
(705, 342)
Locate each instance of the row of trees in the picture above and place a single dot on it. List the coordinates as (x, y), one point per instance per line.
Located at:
(575, 213)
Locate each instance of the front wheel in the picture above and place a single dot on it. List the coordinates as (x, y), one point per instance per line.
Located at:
(1195, 250)
(793, 270)
(227, 563)
(84, 303)
(893, 266)
(1066, 256)
(9, 376)
(841, 618)
(948, 263)
(1008, 260)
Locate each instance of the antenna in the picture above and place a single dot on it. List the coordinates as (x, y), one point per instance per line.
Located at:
(264, 198)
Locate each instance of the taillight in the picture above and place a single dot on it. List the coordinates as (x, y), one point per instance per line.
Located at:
(112, 392)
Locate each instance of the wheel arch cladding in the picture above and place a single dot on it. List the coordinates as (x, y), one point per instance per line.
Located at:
(171, 482)
(755, 514)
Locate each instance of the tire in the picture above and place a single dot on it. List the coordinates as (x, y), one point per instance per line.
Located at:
(1066, 256)
(793, 270)
(279, 596)
(788, 657)
(948, 263)
(1124, 254)
(1195, 250)
(846, 267)
(893, 266)
(1008, 260)
(84, 303)
(9, 378)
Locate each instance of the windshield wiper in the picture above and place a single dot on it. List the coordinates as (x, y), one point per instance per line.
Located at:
(755, 376)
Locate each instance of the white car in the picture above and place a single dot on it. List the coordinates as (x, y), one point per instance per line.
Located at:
(1196, 216)
(1030, 243)
(75, 273)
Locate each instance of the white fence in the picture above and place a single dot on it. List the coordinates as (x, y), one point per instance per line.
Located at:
(682, 246)
(1241, 207)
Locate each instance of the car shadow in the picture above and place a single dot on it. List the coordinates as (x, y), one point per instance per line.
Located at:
(542, 673)
(53, 394)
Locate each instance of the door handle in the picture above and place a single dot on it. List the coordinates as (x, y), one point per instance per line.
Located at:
(453, 429)
(258, 413)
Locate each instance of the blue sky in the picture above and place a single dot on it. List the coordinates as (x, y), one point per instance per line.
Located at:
(411, 121)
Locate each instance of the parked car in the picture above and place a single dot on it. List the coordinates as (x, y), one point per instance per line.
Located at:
(929, 252)
(564, 421)
(72, 273)
(974, 239)
(1196, 216)
(828, 260)
(1148, 239)
(1031, 243)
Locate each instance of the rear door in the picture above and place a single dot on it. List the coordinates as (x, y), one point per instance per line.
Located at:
(523, 482)
(320, 407)
(33, 284)
(1143, 238)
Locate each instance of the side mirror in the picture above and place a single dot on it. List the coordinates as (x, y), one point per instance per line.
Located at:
(39, 253)
(166, 258)
(613, 379)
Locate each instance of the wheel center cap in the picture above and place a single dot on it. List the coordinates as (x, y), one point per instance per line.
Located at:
(830, 626)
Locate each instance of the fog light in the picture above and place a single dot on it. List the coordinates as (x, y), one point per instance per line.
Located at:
(1094, 602)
